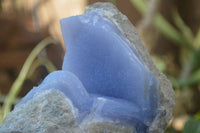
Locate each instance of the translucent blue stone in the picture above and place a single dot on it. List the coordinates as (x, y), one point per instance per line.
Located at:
(70, 85)
(103, 76)
(100, 56)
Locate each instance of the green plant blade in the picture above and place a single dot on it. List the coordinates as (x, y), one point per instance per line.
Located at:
(162, 24)
(16, 86)
(41, 62)
(197, 40)
(168, 30)
(193, 79)
(185, 30)
(140, 6)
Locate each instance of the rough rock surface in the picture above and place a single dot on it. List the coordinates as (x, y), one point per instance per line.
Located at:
(167, 96)
(48, 112)
(51, 112)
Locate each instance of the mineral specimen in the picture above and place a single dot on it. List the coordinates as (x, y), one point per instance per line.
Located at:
(110, 70)
(108, 78)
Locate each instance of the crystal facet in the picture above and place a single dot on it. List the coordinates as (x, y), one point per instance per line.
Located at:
(98, 54)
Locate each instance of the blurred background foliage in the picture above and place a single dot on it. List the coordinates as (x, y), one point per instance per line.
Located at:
(170, 30)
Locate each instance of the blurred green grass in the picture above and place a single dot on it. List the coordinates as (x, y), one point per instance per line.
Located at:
(189, 45)
(30, 65)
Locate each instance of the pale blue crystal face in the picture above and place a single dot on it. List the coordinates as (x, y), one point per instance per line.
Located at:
(70, 85)
(103, 75)
(98, 54)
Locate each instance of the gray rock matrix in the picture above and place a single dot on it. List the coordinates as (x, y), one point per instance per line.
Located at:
(51, 112)
(48, 112)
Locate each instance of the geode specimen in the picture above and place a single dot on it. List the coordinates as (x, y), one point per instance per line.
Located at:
(108, 75)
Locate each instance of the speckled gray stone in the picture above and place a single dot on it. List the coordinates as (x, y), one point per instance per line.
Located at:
(48, 112)
(51, 112)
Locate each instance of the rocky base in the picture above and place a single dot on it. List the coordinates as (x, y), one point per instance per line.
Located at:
(52, 112)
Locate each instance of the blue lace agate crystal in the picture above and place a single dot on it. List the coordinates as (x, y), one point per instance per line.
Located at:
(103, 75)
(109, 68)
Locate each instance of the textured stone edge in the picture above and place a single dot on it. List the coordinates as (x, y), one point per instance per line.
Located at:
(108, 127)
(51, 98)
(167, 96)
(54, 99)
